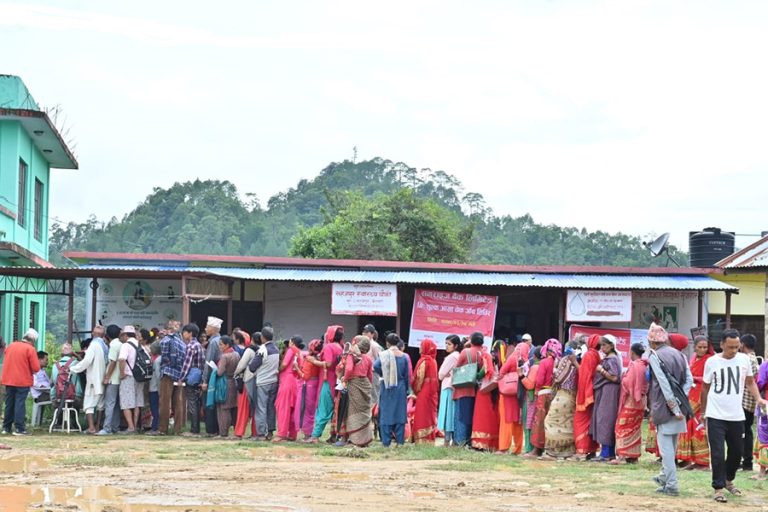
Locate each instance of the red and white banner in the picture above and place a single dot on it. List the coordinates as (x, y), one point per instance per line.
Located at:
(436, 314)
(624, 337)
(367, 299)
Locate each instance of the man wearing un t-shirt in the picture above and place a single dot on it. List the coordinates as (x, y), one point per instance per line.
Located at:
(725, 377)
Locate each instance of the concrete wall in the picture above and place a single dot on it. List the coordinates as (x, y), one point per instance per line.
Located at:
(303, 309)
(749, 301)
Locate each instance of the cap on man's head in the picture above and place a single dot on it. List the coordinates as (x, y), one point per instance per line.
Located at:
(214, 322)
(527, 337)
(657, 334)
(129, 329)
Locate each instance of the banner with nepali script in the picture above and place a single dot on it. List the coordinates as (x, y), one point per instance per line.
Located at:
(436, 314)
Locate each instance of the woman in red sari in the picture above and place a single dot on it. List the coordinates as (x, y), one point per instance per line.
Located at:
(692, 447)
(550, 353)
(585, 400)
(426, 387)
(632, 401)
(485, 418)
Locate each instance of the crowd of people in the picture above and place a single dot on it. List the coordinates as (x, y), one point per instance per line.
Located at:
(579, 401)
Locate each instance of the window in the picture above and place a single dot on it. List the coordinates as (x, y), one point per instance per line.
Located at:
(34, 307)
(21, 216)
(38, 210)
(17, 303)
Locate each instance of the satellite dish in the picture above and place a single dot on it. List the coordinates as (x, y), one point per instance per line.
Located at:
(660, 246)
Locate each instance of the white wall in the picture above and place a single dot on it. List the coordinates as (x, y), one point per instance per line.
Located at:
(303, 309)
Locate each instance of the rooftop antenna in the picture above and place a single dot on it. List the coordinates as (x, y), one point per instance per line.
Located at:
(354, 155)
(660, 246)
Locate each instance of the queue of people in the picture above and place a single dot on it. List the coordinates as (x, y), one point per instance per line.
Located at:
(579, 401)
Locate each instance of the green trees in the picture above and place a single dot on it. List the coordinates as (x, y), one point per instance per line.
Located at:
(400, 226)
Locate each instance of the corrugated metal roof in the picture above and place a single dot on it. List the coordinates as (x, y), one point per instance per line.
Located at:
(753, 256)
(572, 281)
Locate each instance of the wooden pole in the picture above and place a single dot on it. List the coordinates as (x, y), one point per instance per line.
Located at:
(70, 309)
(94, 293)
(230, 288)
(728, 309)
(185, 316)
(701, 309)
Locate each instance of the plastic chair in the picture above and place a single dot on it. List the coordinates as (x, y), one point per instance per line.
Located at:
(66, 413)
(37, 412)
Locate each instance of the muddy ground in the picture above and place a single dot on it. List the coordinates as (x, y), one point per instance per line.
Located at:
(120, 474)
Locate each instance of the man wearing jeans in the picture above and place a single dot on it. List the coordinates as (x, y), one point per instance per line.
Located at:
(665, 409)
(112, 383)
(192, 375)
(21, 363)
(265, 365)
(748, 342)
(725, 377)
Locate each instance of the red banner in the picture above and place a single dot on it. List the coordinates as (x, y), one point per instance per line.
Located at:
(623, 338)
(436, 314)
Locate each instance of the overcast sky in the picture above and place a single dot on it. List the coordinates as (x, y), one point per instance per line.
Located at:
(635, 116)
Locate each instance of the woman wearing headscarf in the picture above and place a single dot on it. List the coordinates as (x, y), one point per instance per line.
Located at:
(358, 375)
(308, 388)
(550, 354)
(285, 403)
(558, 425)
(528, 375)
(632, 403)
(425, 386)
(465, 396)
(485, 417)
(585, 400)
(446, 410)
(692, 446)
(607, 384)
(510, 425)
(225, 369)
(329, 358)
(392, 366)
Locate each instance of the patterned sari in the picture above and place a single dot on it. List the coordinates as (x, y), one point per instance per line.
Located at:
(692, 446)
(558, 424)
(629, 424)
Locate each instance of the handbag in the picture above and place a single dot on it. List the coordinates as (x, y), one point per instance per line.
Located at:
(508, 384)
(489, 384)
(194, 376)
(465, 376)
(239, 383)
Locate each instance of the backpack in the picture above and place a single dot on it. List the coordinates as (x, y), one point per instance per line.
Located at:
(142, 370)
(64, 388)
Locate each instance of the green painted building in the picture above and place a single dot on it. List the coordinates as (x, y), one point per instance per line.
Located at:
(30, 145)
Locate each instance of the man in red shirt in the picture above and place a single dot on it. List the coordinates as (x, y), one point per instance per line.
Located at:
(19, 366)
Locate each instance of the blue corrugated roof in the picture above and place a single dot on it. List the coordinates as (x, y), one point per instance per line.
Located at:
(572, 281)
(520, 280)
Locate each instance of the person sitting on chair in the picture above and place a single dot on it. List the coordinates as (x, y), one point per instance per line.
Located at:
(41, 386)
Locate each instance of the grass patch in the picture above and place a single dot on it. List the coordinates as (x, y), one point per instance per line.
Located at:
(93, 461)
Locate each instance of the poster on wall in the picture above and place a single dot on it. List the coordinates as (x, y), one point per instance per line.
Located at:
(623, 338)
(436, 314)
(364, 299)
(138, 302)
(598, 306)
(664, 315)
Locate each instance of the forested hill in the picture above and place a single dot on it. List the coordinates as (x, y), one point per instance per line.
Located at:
(351, 203)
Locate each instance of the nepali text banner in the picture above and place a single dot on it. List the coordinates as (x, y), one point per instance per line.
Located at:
(625, 338)
(598, 306)
(436, 314)
(360, 299)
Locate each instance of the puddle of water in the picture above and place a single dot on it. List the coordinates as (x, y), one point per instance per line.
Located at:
(101, 499)
(22, 464)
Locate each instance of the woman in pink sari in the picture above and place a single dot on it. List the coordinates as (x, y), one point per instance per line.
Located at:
(285, 404)
(308, 389)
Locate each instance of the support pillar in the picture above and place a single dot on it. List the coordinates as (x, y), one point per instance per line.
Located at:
(185, 315)
(70, 309)
(728, 309)
(94, 291)
(230, 289)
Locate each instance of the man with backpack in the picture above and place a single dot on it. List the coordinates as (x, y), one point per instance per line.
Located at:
(94, 364)
(65, 385)
(131, 388)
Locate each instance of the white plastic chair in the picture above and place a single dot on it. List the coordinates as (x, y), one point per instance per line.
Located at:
(37, 412)
(67, 411)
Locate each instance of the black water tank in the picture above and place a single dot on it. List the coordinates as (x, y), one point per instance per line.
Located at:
(710, 245)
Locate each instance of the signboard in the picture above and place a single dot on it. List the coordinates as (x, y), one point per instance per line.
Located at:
(141, 303)
(624, 337)
(436, 314)
(598, 306)
(364, 299)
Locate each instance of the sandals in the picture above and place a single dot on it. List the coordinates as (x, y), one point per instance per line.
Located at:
(733, 489)
(720, 497)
